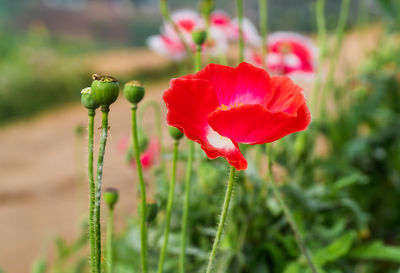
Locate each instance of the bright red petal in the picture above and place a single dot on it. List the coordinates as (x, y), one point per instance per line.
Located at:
(286, 96)
(245, 84)
(189, 103)
(286, 112)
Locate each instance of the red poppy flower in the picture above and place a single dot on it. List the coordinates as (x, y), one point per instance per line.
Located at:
(221, 106)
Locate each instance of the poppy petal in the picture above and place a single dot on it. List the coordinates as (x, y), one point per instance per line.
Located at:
(189, 103)
(245, 84)
(286, 96)
(254, 124)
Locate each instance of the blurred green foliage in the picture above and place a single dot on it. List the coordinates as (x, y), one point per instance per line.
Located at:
(36, 73)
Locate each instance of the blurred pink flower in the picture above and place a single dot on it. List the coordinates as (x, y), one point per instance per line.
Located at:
(221, 21)
(288, 54)
(169, 45)
(250, 33)
(148, 157)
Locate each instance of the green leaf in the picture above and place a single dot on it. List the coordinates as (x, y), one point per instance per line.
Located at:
(335, 250)
(376, 251)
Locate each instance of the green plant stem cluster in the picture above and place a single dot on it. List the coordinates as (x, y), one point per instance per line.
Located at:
(169, 208)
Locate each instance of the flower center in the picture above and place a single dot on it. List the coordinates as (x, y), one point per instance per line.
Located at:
(224, 107)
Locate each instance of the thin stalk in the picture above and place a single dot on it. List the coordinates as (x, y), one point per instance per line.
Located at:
(143, 213)
(239, 7)
(157, 117)
(221, 224)
(169, 209)
(99, 176)
(109, 246)
(321, 33)
(93, 260)
(344, 11)
(188, 180)
(167, 17)
(263, 6)
(288, 214)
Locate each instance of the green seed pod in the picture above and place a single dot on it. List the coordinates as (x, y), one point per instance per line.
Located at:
(199, 36)
(175, 133)
(134, 91)
(105, 89)
(87, 99)
(110, 197)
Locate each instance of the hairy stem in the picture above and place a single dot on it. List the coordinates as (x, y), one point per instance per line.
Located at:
(110, 225)
(169, 209)
(93, 260)
(222, 219)
(99, 176)
(143, 213)
(288, 214)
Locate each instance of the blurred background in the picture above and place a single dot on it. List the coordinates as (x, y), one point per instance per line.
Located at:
(48, 51)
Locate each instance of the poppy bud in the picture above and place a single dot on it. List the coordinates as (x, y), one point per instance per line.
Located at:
(199, 36)
(105, 89)
(134, 91)
(151, 209)
(175, 133)
(87, 99)
(110, 197)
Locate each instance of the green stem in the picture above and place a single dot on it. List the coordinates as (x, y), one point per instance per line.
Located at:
(157, 117)
(221, 224)
(143, 213)
(110, 224)
(321, 33)
(288, 214)
(99, 176)
(263, 6)
(188, 179)
(93, 260)
(169, 209)
(344, 11)
(167, 17)
(239, 7)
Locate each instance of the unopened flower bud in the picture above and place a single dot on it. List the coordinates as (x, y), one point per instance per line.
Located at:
(151, 209)
(134, 91)
(199, 36)
(110, 197)
(87, 99)
(105, 89)
(175, 133)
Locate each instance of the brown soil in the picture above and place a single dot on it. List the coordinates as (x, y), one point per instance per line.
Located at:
(41, 194)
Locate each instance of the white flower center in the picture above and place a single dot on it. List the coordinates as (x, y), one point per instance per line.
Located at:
(218, 141)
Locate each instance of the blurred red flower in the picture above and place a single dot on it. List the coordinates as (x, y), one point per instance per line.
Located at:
(221, 106)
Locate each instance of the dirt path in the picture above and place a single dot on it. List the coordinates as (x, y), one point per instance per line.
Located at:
(39, 193)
